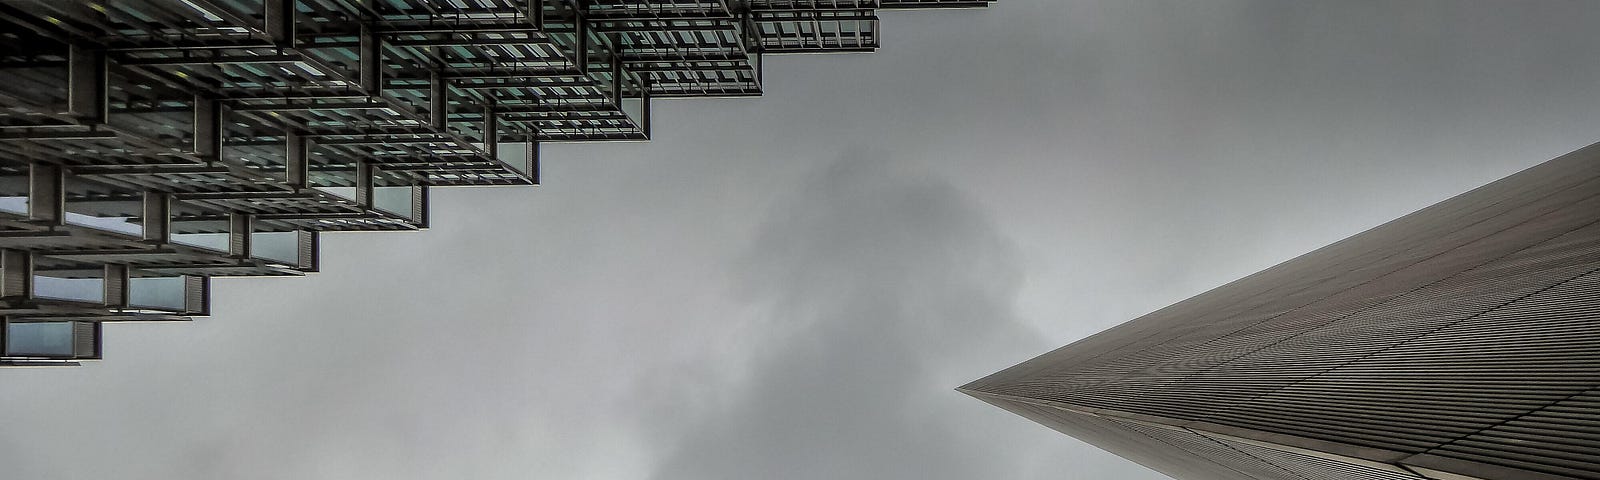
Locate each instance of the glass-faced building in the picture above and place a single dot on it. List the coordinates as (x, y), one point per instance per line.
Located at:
(1458, 342)
(149, 146)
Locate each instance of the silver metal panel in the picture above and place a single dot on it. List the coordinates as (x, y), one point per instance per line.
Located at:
(1463, 339)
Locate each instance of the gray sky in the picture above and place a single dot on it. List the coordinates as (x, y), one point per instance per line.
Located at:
(791, 286)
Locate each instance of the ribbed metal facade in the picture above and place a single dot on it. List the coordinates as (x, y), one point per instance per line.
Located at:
(1461, 341)
(158, 143)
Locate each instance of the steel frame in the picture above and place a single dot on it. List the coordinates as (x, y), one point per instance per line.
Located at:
(134, 131)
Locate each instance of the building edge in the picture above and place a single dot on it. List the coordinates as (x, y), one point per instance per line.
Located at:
(1421, 466)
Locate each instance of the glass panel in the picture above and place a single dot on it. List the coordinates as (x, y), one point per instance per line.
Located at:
(102, 207)
(75, 289)
(17, 205)
(14, 194)
(114, 224)
(42, 339)
(193, 226)
(276, 246)
(347, 193)
(157, 292)
(210, 241)
(515, 155)
(634, 109)
(396, 200)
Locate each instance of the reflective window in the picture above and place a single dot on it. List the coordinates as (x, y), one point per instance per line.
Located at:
(41, 339)
(165, 293)
(276, 246)
(74, 289)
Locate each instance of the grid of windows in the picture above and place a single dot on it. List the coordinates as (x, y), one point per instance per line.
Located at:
(146, 147)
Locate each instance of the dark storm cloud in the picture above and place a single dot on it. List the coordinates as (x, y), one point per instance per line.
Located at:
(878, 282)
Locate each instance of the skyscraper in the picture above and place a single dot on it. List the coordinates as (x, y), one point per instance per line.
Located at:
(1458, 342)
(148, 146)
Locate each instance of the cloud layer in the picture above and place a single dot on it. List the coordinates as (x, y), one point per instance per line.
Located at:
(876, 283)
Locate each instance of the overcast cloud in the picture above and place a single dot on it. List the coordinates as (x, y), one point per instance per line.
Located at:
(875, 283)
(790, 287)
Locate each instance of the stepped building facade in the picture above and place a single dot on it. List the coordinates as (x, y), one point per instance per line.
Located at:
(149, 146)
(1459, 342)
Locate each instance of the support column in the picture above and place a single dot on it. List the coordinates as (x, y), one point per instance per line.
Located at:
(533, 161)
(371, 53)
(297, 160)
(582, 23)
(617, 80)
(157, 217)
(308, 251)
(491, 131)
(116, 285)
(536, 14)
(364, 184)
(87, 84)
(47, 197)
(208, 128)
(197, 295)
(16, 274)
(280, 17)
(747, 26)
(419, 205)
(644, 94)
(438, 101)
(752, 40)
(240, 225)
(97, 329)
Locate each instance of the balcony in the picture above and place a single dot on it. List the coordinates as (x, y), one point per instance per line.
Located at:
(71, 340)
